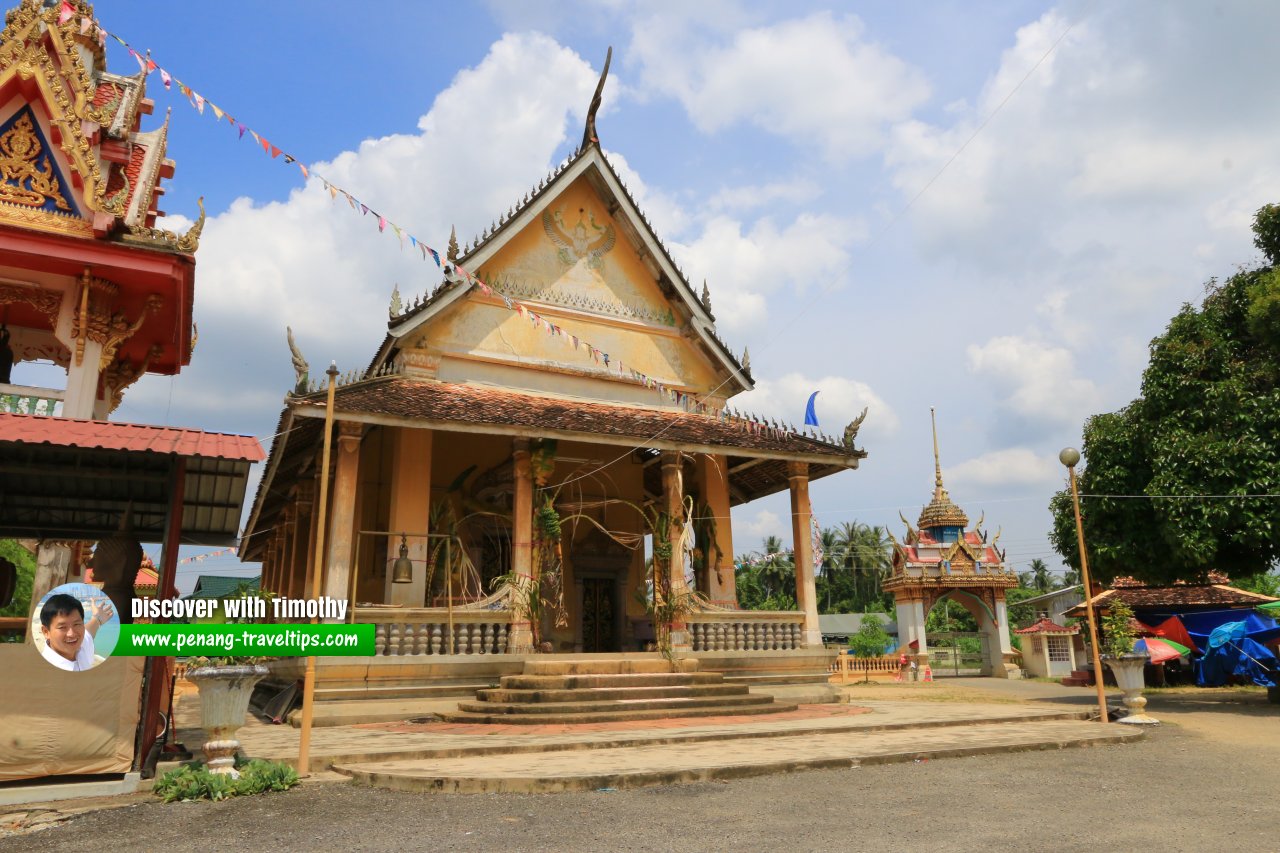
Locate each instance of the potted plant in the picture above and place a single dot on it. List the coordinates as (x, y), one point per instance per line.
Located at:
(1125, 664)
(226, 685)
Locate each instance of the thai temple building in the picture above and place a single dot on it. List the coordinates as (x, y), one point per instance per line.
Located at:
(89, 285)
(523, 439)
(942, 558)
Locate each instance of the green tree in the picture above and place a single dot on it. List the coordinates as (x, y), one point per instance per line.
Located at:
(25, 562)
(870, 641)
(767, 581)
(1040, 576)
(1169, 478)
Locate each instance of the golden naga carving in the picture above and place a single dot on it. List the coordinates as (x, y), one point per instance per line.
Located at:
(121, 330)
(47, 302)
(123, 373)
(187, 243)
(26, 175)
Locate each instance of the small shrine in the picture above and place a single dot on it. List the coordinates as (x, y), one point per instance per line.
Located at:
(87, 281)
(1048, 649)
(942, 558)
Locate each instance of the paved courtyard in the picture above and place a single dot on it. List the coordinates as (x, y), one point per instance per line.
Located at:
(1204, 780)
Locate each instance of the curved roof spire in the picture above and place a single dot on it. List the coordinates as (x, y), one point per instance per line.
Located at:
(940, 512)
(589, 135)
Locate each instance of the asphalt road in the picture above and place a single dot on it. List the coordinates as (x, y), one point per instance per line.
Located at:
(1182, 788)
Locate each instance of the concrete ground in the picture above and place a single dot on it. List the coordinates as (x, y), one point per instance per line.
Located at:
(1204, 780)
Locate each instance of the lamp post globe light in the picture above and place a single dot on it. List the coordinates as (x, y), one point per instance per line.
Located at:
(1070, 457)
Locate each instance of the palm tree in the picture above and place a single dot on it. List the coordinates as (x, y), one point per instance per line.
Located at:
(867, 555)
(1040, 575)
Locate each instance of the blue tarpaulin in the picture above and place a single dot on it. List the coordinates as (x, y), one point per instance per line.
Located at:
(1200, 625)
(1243, 658)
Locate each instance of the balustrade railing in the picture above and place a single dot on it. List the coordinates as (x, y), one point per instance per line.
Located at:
(423, 631)
(846, 666)
(28, 400)
(745, 631)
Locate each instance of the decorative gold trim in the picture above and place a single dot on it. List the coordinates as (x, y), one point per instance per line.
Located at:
(188, 243)
(44, 220)
(47, 302)
(121, 330)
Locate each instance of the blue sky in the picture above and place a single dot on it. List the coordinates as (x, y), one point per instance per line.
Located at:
(778, 148)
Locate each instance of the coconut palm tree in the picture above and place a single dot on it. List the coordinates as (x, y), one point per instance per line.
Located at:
(1040, 575)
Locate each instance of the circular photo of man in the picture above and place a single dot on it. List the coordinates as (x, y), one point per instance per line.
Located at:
(75, 627)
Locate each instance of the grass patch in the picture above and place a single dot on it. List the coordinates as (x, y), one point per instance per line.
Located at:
(193, 782)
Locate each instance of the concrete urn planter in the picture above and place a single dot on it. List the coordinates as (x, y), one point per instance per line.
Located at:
(224, 701)
(1127, 670)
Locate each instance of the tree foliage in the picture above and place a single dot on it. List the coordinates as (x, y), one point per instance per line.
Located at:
(26, 565)
(1206, 423)
(871, 639)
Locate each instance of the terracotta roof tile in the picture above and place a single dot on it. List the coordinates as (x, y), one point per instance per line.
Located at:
(475, 404)
(105, 435)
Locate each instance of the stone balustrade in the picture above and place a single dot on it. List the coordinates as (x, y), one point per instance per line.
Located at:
(746, 631)
(426, 631)
(29, 400)
(847, 666)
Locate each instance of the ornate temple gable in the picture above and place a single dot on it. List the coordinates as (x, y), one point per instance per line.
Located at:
(583, 255)
(89, 119)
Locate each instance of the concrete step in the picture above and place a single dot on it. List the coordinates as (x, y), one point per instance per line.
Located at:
(677, 705)
(617, 716)
(407, 691)
(607, 665)
(602, 694)
(671, 763)
(605, 680)
(359, 711)
(778, 678)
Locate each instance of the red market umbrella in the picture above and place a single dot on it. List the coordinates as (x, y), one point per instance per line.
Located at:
(1160, 650)
(1173, 629)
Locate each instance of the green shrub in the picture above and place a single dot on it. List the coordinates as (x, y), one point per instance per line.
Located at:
(193, 782)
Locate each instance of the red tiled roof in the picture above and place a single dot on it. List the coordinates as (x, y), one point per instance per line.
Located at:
(1046, 626)
(106, 435)
(1178, 597)
(475, 404)
(1212, 578)
(146, 577)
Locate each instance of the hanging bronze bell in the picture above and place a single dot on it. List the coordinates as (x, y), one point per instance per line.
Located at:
(402, 569)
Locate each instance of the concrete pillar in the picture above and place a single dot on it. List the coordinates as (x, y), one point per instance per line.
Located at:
(82, 383)
(1000, 646)
(342, 512)
(521, 532)
(411, 510)
(286, 582)
(911, 626)
(802, 543)
(304, 534)
(713, 484)
(673, 506)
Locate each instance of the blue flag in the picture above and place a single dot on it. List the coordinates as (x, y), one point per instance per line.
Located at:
(810, 416)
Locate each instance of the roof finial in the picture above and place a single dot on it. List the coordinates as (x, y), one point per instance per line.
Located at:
(937, 463)
(589, 133)
(452, 252)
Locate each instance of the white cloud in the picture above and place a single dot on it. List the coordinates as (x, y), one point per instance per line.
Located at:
(816, 80)
(1039, 381)
(763, 523)
(744, 267)
(1013, 466)
(839, 401)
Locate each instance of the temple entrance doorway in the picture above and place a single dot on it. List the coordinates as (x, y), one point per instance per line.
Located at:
(599, 615)
(957, 653)
(600, 569)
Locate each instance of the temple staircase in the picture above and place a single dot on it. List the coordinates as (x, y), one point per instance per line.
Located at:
(611, 690)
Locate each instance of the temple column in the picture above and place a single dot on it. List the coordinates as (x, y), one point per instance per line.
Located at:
(802, 546)
(304, 534)
(82, 383)
(713, 476)
(286, 551)
(673, 506)
(411, 510)
(1001, 650)
(522, 533)
(342, 512)
(911, 627)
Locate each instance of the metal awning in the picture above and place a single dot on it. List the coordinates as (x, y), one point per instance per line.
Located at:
(62, 478)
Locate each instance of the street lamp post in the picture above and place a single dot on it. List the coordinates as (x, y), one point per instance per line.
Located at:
(1070, 457)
